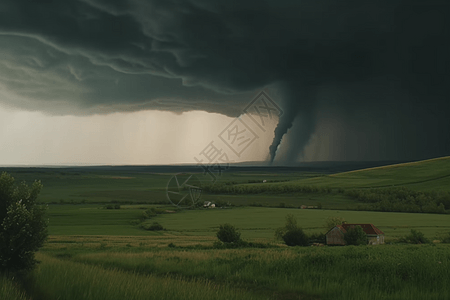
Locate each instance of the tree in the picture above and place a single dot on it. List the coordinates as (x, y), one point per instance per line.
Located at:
(291, 233)
(331, 222)
(23, 228)
(416, 237)
(227, 233)
(355, 236)
(446, 238)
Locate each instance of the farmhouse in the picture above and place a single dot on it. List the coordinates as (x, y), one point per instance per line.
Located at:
(336, 235)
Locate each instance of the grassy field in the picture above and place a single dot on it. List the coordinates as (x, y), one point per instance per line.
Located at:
(255, 222)
(10, 290)
(140, 184)
(98, 253)
(367, 272)
(58, 279)
(260, 223)
(92, 220)
(148, 184)
(427, 175)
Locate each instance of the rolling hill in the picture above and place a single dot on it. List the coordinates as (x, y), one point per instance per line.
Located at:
(426, 175)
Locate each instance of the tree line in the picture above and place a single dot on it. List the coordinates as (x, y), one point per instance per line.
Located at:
(263, 188)
(402, 199)
(395, 199)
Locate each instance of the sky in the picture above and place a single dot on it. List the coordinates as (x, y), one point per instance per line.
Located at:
(158, 81)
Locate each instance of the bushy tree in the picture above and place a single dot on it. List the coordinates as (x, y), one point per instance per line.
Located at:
(227, 233)
(331, 222)
(446, 238)
(416, 237)
(155, 227)
(355, 236)
(291, 233)
(23, 228)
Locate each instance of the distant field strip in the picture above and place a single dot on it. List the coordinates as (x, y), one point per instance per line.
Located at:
(439, 159)
(390, 185)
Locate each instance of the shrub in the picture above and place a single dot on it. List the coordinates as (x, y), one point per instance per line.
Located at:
(416, 237)
(291, 223)
(318, 238)
(218, 245)
(295, 237)
(291, 233)
(134, 222)
(157, 211)
(446, 238)
(238, 244)
(149, 213)
(155, 227)
(227, 233)
(23, 228)
(355, 236)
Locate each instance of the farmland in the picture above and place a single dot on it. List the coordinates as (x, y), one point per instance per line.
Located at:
(94, 252)
(428, 175)
(111, 271)
(255, 222)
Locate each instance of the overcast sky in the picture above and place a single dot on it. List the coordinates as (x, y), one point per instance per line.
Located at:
(156, 81)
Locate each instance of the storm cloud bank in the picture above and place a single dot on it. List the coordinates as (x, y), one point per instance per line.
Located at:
(379, 69)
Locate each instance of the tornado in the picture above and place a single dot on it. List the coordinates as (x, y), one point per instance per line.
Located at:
(298, 102)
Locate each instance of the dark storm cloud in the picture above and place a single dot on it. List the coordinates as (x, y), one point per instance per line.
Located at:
(387, 60)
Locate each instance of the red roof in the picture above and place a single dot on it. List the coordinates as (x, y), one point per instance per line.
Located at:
(368, 228)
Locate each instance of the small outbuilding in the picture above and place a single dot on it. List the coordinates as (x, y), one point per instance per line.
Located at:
(336, 235)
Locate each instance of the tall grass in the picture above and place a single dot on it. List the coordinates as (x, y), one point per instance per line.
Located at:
(377, 272)
(9, 290)
(66, 280)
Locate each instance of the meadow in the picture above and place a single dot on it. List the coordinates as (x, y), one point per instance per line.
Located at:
(97, 253)
(427, 175)
(63, 279)
(420, 187)
(255, 222)
(142, 185)
(365, 272)
(10, 289)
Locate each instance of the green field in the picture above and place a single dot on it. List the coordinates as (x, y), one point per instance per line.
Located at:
(92, 220)
(428, 175)
(138, 185)
(142, 272)
(255, 222)
(260, 223)
(98, 253)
